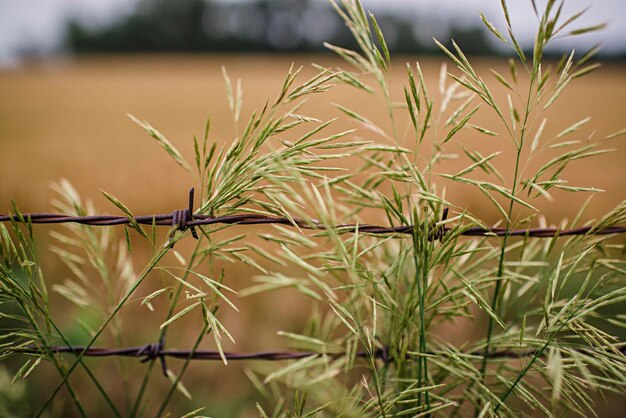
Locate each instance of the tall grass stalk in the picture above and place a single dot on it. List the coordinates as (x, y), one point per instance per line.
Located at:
(497, 294)
(102, 327)
(170, 313)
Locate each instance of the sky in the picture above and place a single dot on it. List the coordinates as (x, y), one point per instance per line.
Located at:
(524, 21)
(38, 25)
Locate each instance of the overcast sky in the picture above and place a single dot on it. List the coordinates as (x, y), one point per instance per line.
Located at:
(524, 21)
(37, 25)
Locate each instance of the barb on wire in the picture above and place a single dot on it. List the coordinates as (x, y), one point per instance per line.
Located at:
(148, 352)
(437, 233)
(153, 351)
(181, 218)
(184, 219)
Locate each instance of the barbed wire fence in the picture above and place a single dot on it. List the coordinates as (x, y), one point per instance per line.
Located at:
(185, 219)
(157, 351)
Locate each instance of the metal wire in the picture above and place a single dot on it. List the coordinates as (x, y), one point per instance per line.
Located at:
(157, 351)
(186, 219)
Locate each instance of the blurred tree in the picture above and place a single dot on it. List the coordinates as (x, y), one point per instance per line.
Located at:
(157, 25)
(259, 25)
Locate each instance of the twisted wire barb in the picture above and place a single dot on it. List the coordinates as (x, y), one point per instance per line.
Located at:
(185, 219)
(149, 352)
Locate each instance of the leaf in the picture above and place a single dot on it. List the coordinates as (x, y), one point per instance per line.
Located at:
(483, 130)
(380, 37)
(535, 143)
(586, 70)
(459, 110)
(179, 384)
(127, 237)
(215, 286)
(196, 150)
(481, 163)
(343, 315)
(180, 314)
(588, 29)
(322, 345)
(555, 370)
(131, 218)
(194, 413)
(574, 127)
(409, 104)
(261, 412)
(352, 80)
(501, 79)
(163, 141)
(26, 369)
(481, 302)
(508, 195)
(147, 299)
(229, 89)
(301, 364)
(365, 122)
(461, 124)
(616, 134)
(454, 59)
(493, 29)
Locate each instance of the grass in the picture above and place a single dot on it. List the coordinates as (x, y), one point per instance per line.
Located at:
(559, 298)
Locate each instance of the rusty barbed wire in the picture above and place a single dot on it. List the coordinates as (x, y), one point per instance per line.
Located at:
(157, 351)
(185, 219)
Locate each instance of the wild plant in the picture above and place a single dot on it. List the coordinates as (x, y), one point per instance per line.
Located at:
(549, 309)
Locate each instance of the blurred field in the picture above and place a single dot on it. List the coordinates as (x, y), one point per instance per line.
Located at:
(67, 119)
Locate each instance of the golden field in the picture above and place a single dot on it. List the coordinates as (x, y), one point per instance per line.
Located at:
(67, 119)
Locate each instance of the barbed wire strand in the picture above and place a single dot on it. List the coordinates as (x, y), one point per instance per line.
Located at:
(157, 351)
(186, 219)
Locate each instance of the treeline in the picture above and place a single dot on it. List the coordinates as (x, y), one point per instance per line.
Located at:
(261, 26)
